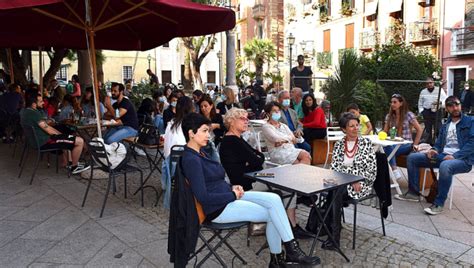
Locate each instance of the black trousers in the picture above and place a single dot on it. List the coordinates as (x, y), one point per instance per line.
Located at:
(311, 134)
(429, 119)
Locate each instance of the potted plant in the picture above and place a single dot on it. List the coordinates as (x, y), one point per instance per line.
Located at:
(346, 9)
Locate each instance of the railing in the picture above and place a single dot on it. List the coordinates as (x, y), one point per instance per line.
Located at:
(395, 34)
(420, 31)
(462, 41)
(258, 11)
(368, 39)
(324, 59)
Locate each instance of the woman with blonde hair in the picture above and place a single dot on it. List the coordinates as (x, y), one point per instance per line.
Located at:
(228, 101)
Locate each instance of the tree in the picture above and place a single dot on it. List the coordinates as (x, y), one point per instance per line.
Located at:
(84, 67)
(341, 87)
(259, 52)
(198, 48)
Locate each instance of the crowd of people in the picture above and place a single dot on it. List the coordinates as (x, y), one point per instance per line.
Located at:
(212, 125)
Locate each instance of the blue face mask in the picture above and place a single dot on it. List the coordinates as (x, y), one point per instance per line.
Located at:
(162, 99)
(223, 97)
(276, 116)
(173, 103)
(286, 102)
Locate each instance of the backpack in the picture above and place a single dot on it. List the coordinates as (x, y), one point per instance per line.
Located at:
(116, 152)
(69, 88)
(147, 135)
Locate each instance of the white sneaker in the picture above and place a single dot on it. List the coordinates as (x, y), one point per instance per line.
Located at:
(397, 173)
(80, 169)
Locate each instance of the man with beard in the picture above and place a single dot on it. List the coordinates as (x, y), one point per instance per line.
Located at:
(427, 107)
(301, 76)
(123, 112)
(453, 153)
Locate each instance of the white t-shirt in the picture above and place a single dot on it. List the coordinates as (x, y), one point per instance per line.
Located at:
(349, 161)
(173, 136)
(452, 145)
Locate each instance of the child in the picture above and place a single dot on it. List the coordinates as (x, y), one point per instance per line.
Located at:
(365, 125)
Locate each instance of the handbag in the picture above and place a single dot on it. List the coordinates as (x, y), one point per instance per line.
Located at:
(147, 135)
(314, 223)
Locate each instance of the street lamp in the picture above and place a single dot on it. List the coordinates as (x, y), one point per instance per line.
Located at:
(291, 42)
(149, 61)
(219, 56)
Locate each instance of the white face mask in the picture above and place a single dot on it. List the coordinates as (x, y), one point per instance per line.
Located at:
(286, 102)
(173, 103)
(162, 99)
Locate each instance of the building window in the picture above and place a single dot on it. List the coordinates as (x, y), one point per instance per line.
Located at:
(350, 35)
(327, 41)
(165, 77)
(62, 73)
(325, 7)
(349, 3)
(211, 77)
(127, 73)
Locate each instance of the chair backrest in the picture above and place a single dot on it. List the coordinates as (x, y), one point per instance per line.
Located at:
(99, 154)
(148, 134)
(31, 136)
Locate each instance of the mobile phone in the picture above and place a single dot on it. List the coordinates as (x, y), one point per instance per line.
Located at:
(267, 175)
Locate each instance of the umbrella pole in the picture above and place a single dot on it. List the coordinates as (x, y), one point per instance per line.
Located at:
(10, 62)
(93, 60)
(41, 70)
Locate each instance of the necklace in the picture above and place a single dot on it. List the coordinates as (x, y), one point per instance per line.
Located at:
(350, 153)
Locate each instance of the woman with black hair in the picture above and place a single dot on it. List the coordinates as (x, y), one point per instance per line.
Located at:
(169, 113)
(224, 203)
(146, 111)
(173, 133)
(314, 121)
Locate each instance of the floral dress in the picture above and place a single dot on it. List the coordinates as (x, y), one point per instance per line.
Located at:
(286, 153)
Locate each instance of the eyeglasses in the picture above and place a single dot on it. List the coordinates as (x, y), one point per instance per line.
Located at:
(453, 103)
(396, 95)
(243, 118)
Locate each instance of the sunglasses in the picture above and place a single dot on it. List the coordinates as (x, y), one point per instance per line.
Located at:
(396, 96)
(453, 103)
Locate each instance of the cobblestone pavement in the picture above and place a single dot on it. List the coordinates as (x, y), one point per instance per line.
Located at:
(43, 225)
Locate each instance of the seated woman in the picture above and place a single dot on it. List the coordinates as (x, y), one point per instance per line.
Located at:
(354, 155)
(169, 113)
(223, 203)
(364, 121)
(161, 106)
(87, 104)
(400, 118)
(228, 101)
(217, 124)
(145, 112)
(69, 106)
(280, 139)
(314, 121)
(238, 157)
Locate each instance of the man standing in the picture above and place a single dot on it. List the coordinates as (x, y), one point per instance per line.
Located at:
(452, 153)
(301, 76)
(153, 77)
(427, 107)
(290, 118)
(123, 112)
(49, 137)
(467, 98)
(296, 101)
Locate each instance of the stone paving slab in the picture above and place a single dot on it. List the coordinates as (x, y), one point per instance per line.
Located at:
(7, 211)
(80, 246)
(22, 252)
(41, 210)
(156, 253)
(116, 254)
(58, 226)
(10, 230)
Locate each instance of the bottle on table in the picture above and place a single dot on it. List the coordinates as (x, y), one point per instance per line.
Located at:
(393, 133)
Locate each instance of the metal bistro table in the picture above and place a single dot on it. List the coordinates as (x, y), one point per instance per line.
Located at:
(308, 180)
(88, 130)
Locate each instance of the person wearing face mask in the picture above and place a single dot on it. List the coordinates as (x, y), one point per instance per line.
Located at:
(161, 106)
(280, 139)
(427, 107)
(169, 113)
(467, 98)
(289, 117)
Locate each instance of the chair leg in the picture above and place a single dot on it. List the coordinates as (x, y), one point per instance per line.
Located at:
(141, 187)
(57, 162)
(354, 227)
(381, 217)
(212, 251)
(111, 177)
(342, 215)
(451, 192)
(25, 147)
(424, 181)
(125, 185)
(24, 157)
(88, 187)
(327, 155)
(35, 168)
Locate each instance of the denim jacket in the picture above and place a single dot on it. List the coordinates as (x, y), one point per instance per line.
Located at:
(465, 134)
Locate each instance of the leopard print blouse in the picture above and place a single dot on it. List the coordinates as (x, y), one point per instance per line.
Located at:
(365, 165)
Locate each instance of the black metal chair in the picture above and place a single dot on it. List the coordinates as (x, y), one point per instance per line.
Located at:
(216, 229)
(33, 143)
(100, 157)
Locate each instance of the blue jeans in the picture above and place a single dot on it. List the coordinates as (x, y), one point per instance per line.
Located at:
(404, 149)
(447, 168)
(159, 124)
(304, 145)
(119, 133)
(261, 207)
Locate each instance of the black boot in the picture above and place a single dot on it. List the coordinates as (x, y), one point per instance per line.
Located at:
(294, 254)
(277, 260)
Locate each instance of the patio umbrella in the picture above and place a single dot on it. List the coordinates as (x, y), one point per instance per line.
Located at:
(106, 24)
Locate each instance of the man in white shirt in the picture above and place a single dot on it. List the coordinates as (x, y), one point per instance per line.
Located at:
(453, 153)
(427, 107)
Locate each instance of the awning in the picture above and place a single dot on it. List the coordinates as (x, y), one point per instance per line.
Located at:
(395, 6)
(371, 8)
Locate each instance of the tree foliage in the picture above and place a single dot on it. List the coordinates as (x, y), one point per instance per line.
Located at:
(259, 52)
(372, 100)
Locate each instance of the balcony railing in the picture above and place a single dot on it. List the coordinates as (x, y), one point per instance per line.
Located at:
(421, 31)
(462, 41)
(395, 34)
(258, 12)
(369, 39)
(324, 59)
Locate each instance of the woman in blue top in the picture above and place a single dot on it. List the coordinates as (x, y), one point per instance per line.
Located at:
(223, 203)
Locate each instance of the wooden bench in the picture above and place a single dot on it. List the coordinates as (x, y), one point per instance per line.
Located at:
(319, 151)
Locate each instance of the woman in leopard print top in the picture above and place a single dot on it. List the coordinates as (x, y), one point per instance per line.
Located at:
(355, 155)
